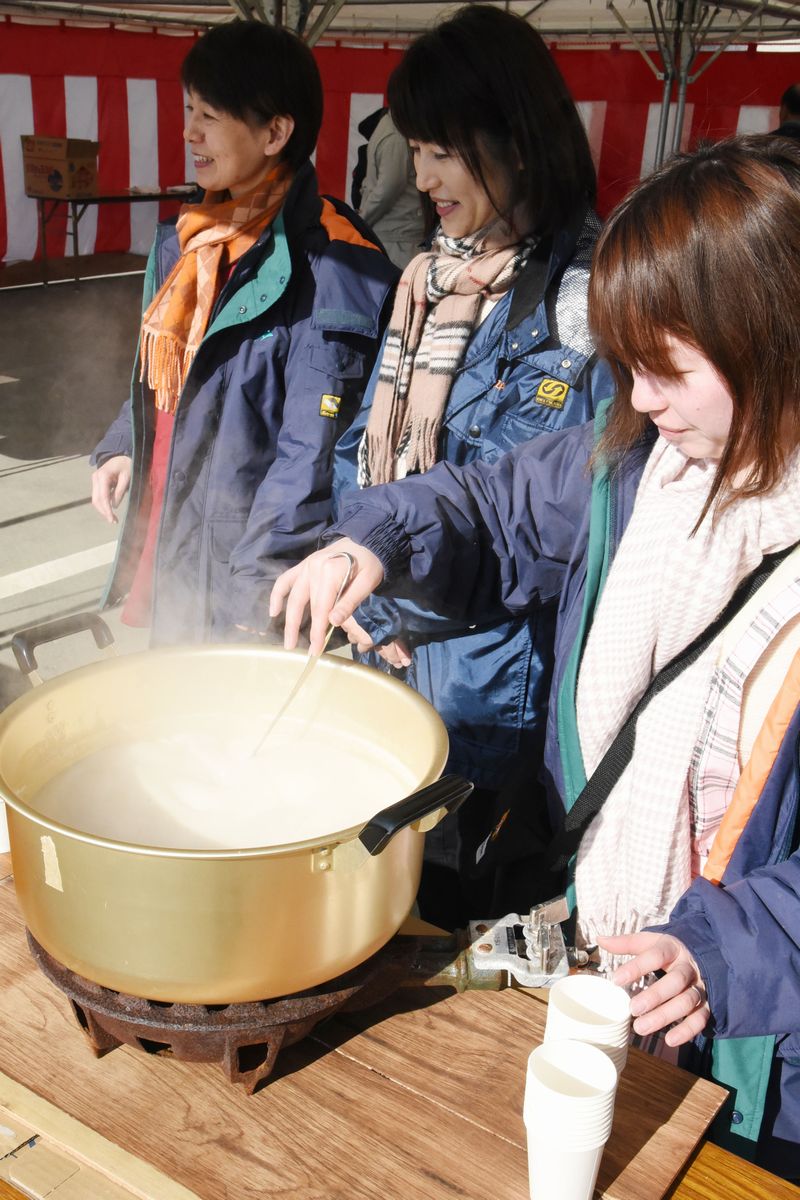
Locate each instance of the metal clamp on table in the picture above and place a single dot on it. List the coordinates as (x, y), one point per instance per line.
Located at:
(508, 952)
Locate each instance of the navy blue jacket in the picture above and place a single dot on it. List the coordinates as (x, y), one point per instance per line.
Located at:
(280, 372)
(538, 526)
(529, 369)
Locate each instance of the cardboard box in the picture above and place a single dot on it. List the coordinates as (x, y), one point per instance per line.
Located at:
(64, 167)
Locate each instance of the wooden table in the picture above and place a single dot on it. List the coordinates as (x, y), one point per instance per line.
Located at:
(77, 206)
(713, 1174)
(420, 1099)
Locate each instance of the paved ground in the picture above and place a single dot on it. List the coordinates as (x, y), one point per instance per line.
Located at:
(65, 361)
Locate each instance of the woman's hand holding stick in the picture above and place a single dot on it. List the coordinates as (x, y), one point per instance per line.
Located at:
(312, 585)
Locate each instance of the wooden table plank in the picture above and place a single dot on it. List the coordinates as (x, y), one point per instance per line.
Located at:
(328, 1128)
(47, 1122)
(714, 1174)
(7, 1192)
(405, 1101)
(343, 1133)
(660, 1114)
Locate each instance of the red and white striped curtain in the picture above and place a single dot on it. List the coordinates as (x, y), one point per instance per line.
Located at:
(121, 89)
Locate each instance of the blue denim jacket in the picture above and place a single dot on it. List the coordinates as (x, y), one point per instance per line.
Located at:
(524, 374)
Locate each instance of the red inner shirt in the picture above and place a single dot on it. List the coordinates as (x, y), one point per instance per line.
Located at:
(139, 605)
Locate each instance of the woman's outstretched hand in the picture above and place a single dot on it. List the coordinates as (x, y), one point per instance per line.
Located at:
(678, 998)
(313, 585)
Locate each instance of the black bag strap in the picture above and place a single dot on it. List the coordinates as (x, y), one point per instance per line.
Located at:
(619, 754)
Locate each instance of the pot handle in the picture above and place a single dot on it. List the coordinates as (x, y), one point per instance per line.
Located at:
(449, 793)
(25, 642)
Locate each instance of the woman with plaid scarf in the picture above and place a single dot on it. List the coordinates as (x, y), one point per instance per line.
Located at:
(487, 346)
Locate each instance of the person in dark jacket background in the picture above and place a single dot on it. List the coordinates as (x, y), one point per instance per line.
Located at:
(488, 345)
(390, 202)
(263, 311)
(366, 128)
(789, 115)
(685, 533)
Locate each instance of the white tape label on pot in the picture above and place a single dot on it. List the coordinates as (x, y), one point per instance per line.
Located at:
(52, 871)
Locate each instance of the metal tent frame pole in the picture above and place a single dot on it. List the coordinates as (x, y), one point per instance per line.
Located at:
(680, 35)
(291, 14)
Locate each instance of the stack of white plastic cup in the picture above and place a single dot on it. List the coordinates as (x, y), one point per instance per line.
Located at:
(568, 1111)
(589, 1008)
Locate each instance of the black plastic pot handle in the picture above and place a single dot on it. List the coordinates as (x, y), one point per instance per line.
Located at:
(449, 793)
(25, 642)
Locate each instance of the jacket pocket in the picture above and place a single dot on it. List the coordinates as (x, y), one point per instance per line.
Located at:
(516, 427)
(224, 534)
(337, 360)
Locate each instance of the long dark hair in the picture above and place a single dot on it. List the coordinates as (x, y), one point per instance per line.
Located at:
(707, 250)
(256, 72)
(483, 84)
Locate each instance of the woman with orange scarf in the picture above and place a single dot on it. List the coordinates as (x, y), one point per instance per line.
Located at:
(262, 317)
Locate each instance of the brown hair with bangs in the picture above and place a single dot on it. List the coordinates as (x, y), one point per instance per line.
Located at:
(707, 250)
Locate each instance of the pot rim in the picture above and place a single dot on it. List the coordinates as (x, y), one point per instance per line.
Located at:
(325, 842)
(207, 650)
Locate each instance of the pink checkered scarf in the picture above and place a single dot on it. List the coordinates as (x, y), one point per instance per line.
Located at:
(665, 587)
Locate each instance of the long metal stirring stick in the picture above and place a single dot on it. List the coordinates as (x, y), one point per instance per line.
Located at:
(312, 660)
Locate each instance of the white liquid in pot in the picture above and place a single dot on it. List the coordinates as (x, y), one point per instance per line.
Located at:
(196, 792)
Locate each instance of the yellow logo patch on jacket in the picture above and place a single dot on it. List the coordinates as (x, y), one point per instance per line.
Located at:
(552, 393)
(329, 406)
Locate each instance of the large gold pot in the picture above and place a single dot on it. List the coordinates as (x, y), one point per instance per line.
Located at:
(215, 926)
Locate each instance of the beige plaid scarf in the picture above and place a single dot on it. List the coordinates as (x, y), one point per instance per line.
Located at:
(437, 306)
(212, 236)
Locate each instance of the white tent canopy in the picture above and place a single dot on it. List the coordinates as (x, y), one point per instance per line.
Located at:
(746, 20)
(668, 33)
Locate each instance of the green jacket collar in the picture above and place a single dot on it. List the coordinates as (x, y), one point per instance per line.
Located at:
(257, 294)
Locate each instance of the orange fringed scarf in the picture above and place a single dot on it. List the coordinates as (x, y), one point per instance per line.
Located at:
(212, 236)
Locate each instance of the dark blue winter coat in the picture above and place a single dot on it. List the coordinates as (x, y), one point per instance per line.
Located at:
(529, 369)
(537, 526)
(279, 374)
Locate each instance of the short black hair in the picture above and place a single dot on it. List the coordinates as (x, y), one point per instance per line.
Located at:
(790, 100)
(485, 81)
(255, 72)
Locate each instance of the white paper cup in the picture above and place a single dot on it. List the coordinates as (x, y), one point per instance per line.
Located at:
(589, 1008)
(557, 1175)
(569, 1093)
(569, 1109)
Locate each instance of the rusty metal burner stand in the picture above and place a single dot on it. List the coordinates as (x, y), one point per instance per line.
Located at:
(244, 1039)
